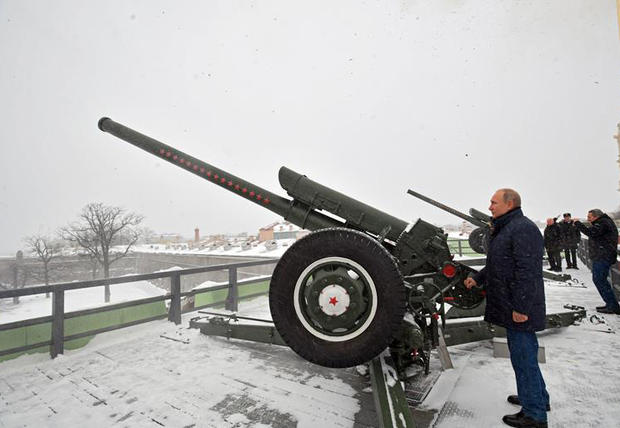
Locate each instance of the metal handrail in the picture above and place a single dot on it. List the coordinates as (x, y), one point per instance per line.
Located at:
(174, 312)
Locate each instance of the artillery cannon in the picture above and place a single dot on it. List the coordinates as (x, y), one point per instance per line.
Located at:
(479, 237)
(363, 280)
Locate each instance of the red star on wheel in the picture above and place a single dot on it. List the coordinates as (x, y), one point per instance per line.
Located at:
(333, 301)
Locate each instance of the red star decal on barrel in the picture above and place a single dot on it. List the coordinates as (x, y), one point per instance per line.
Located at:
(333, 301)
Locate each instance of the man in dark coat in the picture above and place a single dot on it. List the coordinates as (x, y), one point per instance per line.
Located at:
(570, 240)
(603, 251)
(553, 244)
(516, 301)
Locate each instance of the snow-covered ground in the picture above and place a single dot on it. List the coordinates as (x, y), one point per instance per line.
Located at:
(259, 250)
(582, 371)
(160, 374)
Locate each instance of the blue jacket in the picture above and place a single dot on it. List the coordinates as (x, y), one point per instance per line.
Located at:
(513, 273)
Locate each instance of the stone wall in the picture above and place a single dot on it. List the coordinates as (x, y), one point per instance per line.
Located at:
(153, 262)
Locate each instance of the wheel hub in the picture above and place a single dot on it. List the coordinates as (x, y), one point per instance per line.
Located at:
(334, 300)
(337, 298)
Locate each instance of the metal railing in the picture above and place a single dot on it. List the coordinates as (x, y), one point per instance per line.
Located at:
(461, 248)
(58, 317)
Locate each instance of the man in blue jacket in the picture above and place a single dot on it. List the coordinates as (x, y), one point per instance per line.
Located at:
(603, 251)
(516, 301)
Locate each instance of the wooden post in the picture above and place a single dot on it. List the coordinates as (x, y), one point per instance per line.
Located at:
(174, 314)
(58, 322)
(460, 248)
(232, 301)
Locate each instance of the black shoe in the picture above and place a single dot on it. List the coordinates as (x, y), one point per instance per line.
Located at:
(519, 420)
(606, 310)
(575, 267)
(601, 307)
(514, 399)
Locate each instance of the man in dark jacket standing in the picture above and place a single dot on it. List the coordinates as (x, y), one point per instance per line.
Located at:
(603, 250)
(553, 244)
(516, 301)
(570, 240)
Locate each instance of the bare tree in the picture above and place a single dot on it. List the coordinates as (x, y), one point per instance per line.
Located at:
(19, 273)
(147, 235)
(45, 249)
(99, 229)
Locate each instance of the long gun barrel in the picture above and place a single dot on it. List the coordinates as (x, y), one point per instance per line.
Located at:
(473, 220)
(294, 211)
(480, 216)
(308, 195)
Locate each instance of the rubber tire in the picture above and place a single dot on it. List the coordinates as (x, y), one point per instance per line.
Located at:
(389, 284)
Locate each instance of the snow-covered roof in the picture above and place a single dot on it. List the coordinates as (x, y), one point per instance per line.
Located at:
(286, 227)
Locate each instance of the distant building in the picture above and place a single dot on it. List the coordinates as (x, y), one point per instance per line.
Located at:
(170, 238)
(280, 230)
(266, 233)
(285, 230)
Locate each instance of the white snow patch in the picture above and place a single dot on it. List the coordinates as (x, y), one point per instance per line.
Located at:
(85, 298)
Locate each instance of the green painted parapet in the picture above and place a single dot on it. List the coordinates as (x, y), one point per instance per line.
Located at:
(461, 247)
(22, 336)
(218, 297)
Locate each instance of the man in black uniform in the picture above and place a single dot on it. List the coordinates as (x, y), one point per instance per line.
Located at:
(570, 240)
(603, 250)
(553, 244)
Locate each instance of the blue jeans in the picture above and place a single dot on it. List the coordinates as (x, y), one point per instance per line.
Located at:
(531, 388)
(600, 270)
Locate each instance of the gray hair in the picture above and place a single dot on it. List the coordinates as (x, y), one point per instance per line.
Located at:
(596, 212)
(511, 195)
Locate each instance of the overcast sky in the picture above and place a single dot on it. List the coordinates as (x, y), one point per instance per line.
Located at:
(451, 98)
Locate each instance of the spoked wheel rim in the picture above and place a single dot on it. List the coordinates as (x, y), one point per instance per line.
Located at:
(335, 299)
